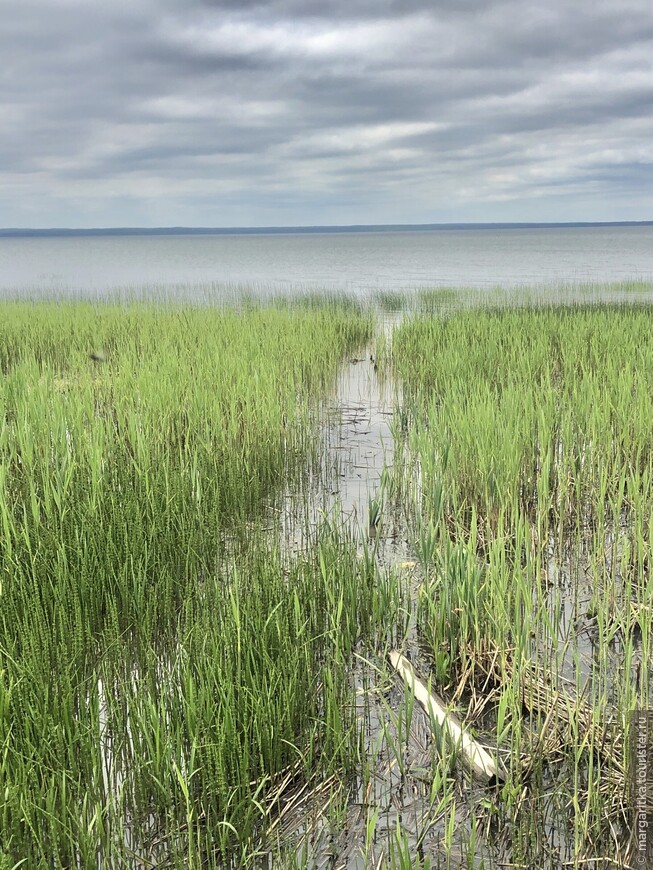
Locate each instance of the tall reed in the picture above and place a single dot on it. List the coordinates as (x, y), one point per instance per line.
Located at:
(162, 667)
(528, 432)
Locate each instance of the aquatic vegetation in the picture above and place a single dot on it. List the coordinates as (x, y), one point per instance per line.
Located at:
(163, 667)
(531, 450)
(438, 299)
(183, 686)
(391, 300)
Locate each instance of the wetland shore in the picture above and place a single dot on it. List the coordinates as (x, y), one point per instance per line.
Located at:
(219, 522)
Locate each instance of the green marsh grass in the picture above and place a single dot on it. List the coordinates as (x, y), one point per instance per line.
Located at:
(175, 684)
(530, 442)
(163, 666)
(438, 299)
(392, 301)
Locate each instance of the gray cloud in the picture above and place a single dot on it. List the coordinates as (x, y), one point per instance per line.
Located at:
(295, 111)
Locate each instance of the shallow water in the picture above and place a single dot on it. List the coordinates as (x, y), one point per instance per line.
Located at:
(398, 792)
(357, 446)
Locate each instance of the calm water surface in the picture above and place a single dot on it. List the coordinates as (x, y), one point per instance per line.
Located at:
(359, 262)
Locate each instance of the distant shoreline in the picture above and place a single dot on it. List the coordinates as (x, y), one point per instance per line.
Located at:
(63, 232)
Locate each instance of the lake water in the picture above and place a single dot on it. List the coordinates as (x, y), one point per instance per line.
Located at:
(358, 262)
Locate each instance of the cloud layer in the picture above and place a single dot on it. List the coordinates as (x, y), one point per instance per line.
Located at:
(170, 112)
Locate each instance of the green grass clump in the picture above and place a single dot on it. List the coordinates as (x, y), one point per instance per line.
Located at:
(179, 751)
(536, 413)
(437, 299)
(391, 300)
(153, 689)
(528, 431)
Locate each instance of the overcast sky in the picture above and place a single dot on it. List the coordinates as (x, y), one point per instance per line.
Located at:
(298, 112)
